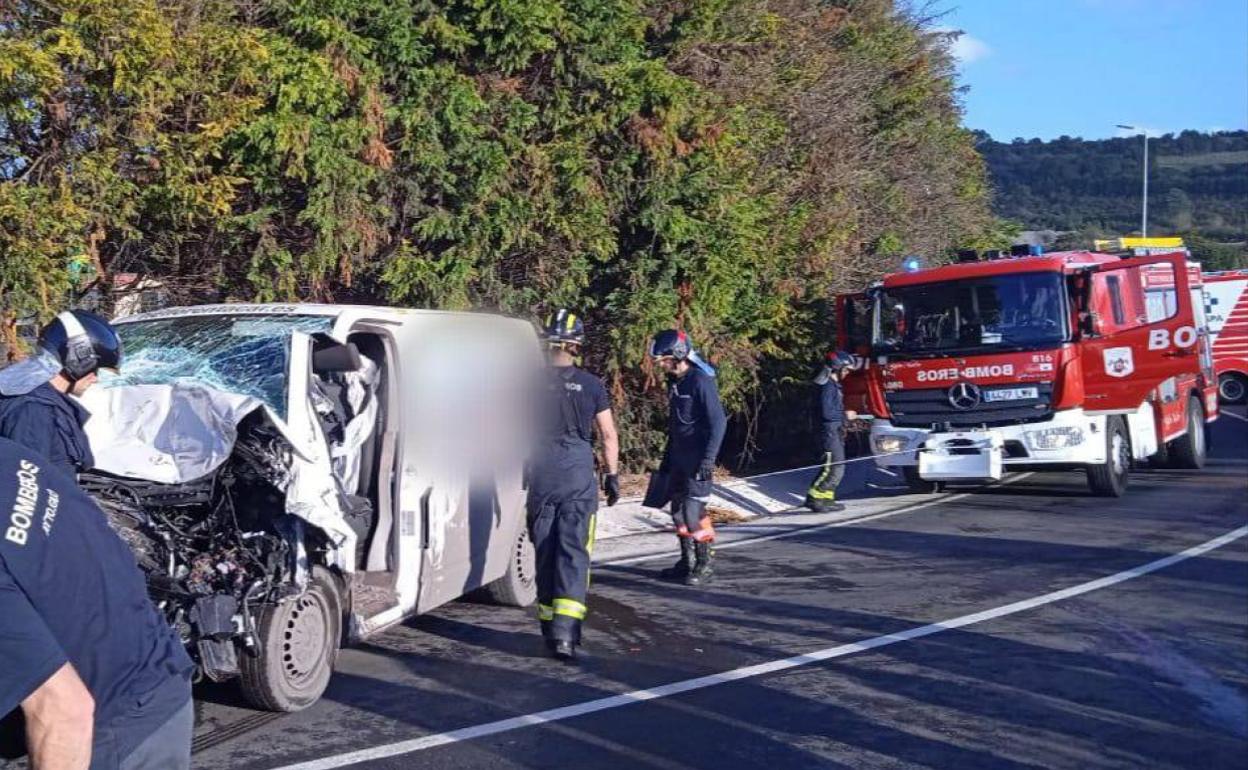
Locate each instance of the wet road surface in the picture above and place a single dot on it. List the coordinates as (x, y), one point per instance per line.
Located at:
(1150, 672)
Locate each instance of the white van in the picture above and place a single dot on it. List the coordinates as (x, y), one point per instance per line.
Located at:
(292, 477)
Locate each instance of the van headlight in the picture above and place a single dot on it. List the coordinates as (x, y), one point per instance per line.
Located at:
(1054, 438)
(886, 444)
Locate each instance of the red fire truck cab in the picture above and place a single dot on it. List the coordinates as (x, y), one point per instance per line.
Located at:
(1226, 307)
(1070, 360)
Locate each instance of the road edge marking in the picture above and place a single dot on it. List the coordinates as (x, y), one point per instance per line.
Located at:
(563, 713)
(801, 529)
(1229, 413)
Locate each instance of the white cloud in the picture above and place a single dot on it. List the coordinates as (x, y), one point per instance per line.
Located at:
(963, 47)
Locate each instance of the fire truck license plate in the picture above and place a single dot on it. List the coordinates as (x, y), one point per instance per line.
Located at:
(1010, 394)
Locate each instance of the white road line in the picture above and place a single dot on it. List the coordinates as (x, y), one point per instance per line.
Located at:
(1229, 413)
(761, 669)
(799, 529)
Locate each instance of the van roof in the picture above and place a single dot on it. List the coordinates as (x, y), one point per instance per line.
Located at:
(294, 308)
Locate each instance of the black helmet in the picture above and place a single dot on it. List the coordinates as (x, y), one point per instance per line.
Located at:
(83, 342)
(839, 359)
(564, 326)
(671, 343)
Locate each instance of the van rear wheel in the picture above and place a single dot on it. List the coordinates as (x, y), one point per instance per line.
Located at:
(518, 587)
(1109, 479)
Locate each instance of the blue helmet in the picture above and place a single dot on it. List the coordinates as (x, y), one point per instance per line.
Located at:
(83, 342)
(839, 359)
(671, 343)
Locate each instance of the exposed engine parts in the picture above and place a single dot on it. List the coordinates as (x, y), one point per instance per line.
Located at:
(214, 549)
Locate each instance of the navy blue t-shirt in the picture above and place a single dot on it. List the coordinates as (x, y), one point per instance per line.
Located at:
(564, 461)
(831, 403)
(70, 591)
(49, 423)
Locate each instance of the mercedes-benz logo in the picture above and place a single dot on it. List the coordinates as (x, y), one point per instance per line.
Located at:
(964, 395)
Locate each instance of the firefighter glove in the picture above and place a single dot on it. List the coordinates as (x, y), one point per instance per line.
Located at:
(706, 471)
(611, 485)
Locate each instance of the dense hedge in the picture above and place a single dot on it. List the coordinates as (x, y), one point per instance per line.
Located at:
(723, 165)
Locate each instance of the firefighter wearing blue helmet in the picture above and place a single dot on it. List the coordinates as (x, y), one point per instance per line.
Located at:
(832, 415)
(563, 490)
(36, 408)
(696, 425)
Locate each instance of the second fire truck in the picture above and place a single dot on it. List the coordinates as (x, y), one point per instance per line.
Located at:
(1226, 306)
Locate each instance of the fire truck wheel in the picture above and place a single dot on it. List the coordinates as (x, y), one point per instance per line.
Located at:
(1232, 388)
(917, 483)
(1109, 479)
(1161, 458)
(1188, 450)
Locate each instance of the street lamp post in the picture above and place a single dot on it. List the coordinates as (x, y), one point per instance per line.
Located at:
(1144, 214)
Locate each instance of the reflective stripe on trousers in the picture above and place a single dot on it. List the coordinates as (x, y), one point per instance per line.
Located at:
(824, 486)
(689, 502)
(563, 536)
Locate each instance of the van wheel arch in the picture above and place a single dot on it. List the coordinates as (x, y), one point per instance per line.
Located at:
(518, 585)
(298, 642)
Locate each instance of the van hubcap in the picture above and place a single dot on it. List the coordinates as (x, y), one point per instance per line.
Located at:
(523, 546)
(303, 644)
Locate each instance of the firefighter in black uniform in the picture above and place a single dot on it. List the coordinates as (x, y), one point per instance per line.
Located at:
(563, 489)
(36, 410)
(821, 496)
(696, 425)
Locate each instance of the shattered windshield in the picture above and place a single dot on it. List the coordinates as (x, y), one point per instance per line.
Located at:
(1019, 310)
(244, 354)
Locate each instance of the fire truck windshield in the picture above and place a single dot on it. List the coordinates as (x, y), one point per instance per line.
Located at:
(1012, 311)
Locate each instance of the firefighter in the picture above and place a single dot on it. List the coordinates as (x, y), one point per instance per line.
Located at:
(563, 490)
(35, 405)
(98, 675)
(821, 496)
(696, 425)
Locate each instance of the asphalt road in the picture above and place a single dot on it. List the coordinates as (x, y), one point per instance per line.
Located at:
(1150, 672)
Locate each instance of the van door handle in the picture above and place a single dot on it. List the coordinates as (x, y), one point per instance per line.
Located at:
(424, 519)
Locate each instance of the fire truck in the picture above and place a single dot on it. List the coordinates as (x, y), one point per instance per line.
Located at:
(1226, 307)
(1020, 360)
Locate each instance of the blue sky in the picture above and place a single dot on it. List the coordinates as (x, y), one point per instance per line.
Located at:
(1045, 68)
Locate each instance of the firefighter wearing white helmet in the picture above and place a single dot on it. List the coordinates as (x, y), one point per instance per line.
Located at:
(36, 410)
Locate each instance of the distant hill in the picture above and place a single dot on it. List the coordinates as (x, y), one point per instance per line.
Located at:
(1198, 184)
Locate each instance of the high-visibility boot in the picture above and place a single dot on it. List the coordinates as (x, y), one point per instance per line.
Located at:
(680, 570)
(702, 570)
